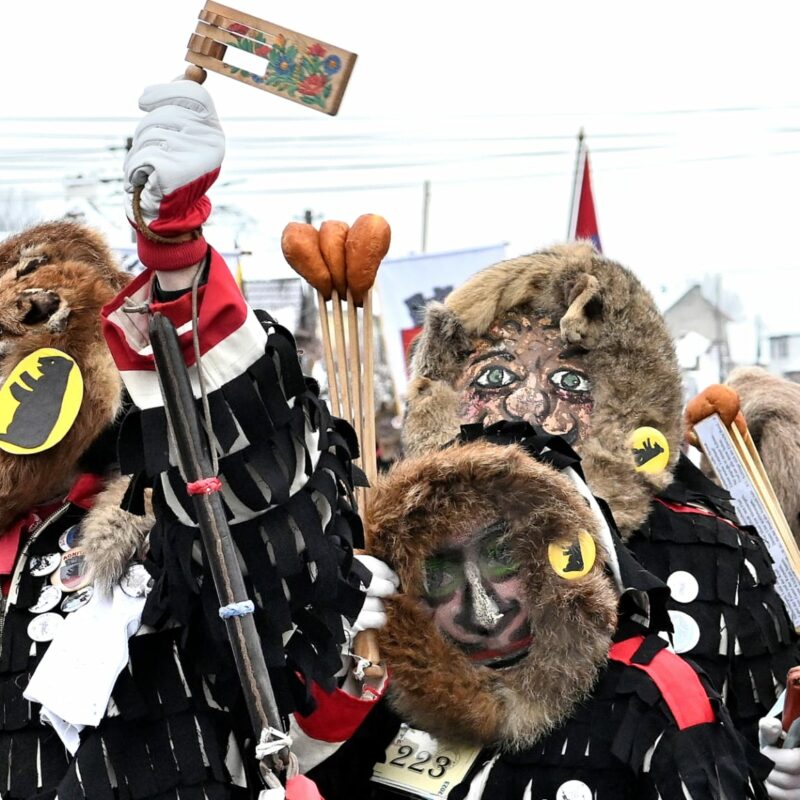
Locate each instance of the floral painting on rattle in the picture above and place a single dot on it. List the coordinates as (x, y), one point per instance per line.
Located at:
(306, 75)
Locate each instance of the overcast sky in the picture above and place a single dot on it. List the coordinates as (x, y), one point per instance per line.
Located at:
(691, 111)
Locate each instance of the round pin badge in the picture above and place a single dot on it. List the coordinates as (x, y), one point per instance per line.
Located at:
(45, 626)
(574, 790)
(73, 574)
(683, 586)
(49, 597)
(69, 538)
(137, 581)
(75, 600)
(572, 558)
(39, 566)
(650, 450)
(686, 633)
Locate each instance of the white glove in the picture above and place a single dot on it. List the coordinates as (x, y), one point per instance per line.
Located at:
(783, 782)
(384, 584)
(180, 142)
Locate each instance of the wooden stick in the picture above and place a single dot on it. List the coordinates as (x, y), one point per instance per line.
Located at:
(370, 458)
(333, 392)
(366, 642)
(355, 367)
(341, 355)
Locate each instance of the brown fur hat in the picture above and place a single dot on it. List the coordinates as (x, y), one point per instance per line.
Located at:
(600, 307)
(425, 500)
(54, 279)
(771, 407)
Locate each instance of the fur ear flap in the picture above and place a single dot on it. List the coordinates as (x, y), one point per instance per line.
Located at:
(442, 345)
(585, 305)
(432, 418)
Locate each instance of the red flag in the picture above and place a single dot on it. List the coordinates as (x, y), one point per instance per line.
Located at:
(583, 221)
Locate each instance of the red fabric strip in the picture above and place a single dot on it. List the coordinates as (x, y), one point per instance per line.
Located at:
(85, 490)
(676, 680)
(221, 311)
(681, 509)
(338, 715)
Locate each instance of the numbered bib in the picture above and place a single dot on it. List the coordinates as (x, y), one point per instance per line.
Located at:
(422, 766)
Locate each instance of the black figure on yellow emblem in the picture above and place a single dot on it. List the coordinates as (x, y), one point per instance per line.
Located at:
(39, 401)
(573, 559)
(650, 450)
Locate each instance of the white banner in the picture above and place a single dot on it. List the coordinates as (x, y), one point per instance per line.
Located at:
(406, 285)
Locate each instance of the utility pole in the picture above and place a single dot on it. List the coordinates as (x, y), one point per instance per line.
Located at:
(759, 337)
(426, 204)
(128, 148)
(719, 327)
(576, 192)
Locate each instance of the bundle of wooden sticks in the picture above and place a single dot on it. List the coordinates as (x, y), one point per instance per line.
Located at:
(341, 262)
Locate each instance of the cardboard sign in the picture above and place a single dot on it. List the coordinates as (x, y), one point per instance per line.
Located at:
(753, 508)
(422, 766)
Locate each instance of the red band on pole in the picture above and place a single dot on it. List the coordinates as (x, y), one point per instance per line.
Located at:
(204, 486)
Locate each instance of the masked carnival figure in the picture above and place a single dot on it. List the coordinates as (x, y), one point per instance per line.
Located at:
(134, 691)
(61, 399)
(572, 343)
(522, 648)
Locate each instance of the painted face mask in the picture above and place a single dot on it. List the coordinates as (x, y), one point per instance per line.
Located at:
(476, 595)
(569, 342)
(507, 608)
(521, 370)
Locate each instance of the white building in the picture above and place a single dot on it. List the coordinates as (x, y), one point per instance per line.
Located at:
(784, 353)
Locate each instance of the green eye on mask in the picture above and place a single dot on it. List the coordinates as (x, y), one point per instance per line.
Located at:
(497, 561)
(443, 577)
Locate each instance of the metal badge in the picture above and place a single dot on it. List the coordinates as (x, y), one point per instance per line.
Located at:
(72, 602)
(69, 538)
(49, 597)
(39, 566)
(73, 574)
(137, 581)
(44, 627)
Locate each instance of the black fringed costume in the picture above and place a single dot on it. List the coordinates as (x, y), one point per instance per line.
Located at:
(747, 643)
(175, 726)
(32, 758)
(289, 498)
(287, 474)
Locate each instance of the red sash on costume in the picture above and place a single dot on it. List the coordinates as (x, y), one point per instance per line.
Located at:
(678, 683)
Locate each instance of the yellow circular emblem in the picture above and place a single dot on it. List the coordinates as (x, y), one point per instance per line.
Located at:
(39, 402)
(650, 450)
(573, 558)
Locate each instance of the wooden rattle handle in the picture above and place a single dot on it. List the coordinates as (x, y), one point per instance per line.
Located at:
(195, 73)
(366, 646)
